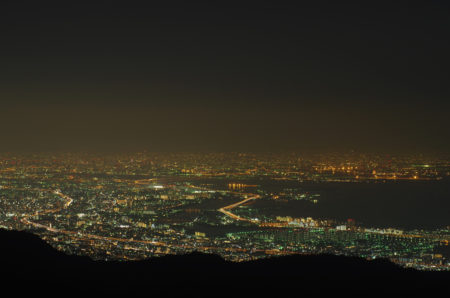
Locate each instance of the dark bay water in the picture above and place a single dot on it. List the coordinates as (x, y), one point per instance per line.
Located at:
(400, 204)
(408, 205)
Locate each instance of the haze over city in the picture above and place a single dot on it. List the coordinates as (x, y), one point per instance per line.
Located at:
(196, 76)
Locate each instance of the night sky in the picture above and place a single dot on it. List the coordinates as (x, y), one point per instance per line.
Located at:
(328, 76)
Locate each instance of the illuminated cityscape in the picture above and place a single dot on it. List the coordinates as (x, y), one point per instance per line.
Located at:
(241, 206)
(221, 147)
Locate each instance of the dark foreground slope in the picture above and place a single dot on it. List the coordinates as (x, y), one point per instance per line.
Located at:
(30, 265)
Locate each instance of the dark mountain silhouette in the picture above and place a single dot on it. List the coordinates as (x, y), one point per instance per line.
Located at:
(30, 265)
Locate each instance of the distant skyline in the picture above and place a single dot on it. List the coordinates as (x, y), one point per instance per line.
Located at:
(200, 77)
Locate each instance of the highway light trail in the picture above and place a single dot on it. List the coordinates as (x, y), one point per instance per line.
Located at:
(225, 209)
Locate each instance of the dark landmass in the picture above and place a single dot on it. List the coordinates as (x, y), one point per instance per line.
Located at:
(30, 265)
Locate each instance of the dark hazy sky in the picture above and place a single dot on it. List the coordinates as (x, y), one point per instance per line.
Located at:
(332, 75)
